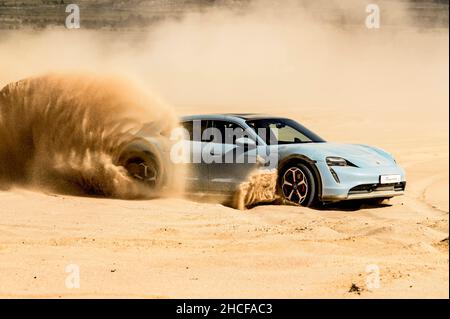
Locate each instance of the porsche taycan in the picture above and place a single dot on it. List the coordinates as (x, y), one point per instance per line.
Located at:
(225, 148)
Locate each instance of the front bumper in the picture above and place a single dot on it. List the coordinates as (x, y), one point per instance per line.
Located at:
(372, 191)
(385, 194)
(359, 183)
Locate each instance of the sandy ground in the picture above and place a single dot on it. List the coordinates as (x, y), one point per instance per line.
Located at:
(172, 248)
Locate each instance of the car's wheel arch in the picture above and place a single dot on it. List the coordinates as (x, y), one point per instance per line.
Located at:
(302, 159)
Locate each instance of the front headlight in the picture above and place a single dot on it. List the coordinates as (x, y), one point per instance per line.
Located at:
(338, 161)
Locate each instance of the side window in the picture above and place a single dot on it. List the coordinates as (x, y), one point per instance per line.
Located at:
(229, 131)
(195, 129)
(288, 134)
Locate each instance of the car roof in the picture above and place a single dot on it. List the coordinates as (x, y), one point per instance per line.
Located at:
(242, 116)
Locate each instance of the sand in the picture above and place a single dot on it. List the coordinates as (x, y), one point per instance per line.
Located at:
(176, 248)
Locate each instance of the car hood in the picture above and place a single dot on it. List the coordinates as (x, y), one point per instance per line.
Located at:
(360, 155)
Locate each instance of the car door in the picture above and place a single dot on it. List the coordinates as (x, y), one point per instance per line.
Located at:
(230, 164)
(195, 171)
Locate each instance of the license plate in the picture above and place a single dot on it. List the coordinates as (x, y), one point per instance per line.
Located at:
(390, 179)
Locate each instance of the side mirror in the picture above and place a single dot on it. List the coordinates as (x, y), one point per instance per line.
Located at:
(245, 142)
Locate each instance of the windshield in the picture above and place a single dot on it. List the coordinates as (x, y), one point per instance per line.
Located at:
(283, 131)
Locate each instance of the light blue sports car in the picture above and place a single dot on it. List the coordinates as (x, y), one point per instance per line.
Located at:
(310, 170)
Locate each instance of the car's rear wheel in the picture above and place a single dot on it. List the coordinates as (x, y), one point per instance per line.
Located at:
(142, 162)
(143, 168)
(297, 185)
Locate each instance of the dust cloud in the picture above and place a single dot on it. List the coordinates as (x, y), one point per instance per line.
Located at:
(67, 132)
(260, 187)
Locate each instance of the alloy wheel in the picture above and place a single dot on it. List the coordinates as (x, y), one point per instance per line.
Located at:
(294, 185)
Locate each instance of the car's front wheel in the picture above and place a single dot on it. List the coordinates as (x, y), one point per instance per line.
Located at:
(297, 185)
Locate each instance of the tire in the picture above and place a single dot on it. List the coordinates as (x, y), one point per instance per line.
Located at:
(297, 186)
(143, 163)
